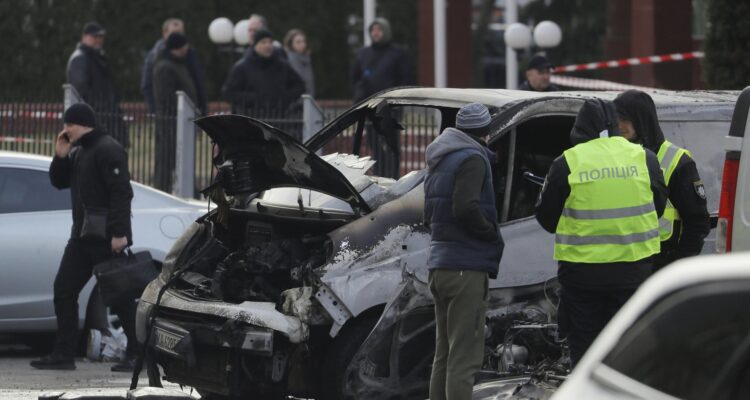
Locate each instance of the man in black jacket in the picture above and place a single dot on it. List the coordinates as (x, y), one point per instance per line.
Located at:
(262, 84)
(686, 222)
(95, 167)
(191, 61)
(171, 73)
(602, 199)
(538, 75)
(89, 72)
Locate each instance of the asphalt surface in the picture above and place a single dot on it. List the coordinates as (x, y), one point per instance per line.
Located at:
(20, 381)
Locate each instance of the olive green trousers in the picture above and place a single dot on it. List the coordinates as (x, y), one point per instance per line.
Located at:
(460, 308)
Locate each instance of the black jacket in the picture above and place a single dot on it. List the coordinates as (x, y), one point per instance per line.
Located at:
(88, 71)
(379, 67)
(685, 186)
(591, 120)
(525, 85)
(196, 74)
(170, 75)
(96, 171)
(262, 84)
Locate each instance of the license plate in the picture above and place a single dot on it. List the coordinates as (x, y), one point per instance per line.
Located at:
(166, 341)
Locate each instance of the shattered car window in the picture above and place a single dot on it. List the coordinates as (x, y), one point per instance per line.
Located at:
(683, 347)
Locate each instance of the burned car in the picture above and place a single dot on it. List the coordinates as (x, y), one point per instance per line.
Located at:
(309, 276)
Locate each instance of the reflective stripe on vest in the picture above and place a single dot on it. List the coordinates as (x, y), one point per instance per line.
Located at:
(609, 215)
(669, 156)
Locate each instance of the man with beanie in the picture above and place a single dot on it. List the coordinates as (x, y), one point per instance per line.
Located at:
(685, 223)
(465, 248)
(262, 83)
(89, 72)
(197, 75)
(95, 168)
(538, 74)
(602, 199)
(171, 73)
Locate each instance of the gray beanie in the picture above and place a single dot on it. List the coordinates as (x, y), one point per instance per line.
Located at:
(472, 116)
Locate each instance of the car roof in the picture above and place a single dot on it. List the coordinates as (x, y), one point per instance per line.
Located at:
(502, 97)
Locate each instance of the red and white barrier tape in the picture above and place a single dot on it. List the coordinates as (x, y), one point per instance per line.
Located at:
(16, 139)
(628, 62)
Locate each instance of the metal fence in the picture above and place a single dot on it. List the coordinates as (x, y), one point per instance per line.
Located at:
(32, 127)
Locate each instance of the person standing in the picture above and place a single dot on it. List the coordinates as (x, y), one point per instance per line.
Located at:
(262, 84)
(538, 75)
(191, 61)
(298, 55)
(685, 223)
(89, 72)
(381, 65)
(171, 73)
(95, 167)
(378, 67)
(602, 199)
(465, 248)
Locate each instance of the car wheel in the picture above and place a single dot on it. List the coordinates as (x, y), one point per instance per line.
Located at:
(340, 353)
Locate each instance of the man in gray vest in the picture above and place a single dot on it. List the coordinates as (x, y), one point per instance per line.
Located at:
(465, 249)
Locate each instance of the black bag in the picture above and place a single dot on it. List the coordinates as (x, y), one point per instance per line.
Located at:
(123, 277)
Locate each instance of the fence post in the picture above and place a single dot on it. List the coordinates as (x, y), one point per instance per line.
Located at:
(312, 117)
(70, 96)
(184, 183)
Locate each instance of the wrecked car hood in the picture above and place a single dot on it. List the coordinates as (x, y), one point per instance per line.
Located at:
(254, 156)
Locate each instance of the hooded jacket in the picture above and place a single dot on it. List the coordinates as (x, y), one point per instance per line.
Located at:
(381, 66)
(684, 185)
(594, 118)
(262, 84)
(193, 64)
(170, 75)
(460, 205)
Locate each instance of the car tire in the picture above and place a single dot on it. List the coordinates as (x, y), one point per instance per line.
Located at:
(340, 353)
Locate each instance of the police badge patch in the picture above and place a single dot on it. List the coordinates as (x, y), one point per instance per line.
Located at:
(699, 189)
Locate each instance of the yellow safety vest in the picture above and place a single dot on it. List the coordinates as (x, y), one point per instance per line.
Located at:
(669, 156)
(609, 215)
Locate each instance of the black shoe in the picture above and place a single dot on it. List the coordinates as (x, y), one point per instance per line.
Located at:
(54, 361)
(127, 364)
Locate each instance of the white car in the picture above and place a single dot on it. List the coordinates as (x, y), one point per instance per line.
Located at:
(35, 223)
(685, 334)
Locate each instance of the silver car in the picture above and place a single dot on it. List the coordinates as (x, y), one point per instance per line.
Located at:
(35, 223)
(310, 277)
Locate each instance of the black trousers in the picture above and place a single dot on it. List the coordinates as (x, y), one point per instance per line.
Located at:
(584, 313)
(75, 270)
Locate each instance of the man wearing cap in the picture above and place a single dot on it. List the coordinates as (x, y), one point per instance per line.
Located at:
(262, 83)
(171, 73)
(95, 168)
(465, 248)
(197, 75)
(602, 199)
(89, 72)
(538, 74)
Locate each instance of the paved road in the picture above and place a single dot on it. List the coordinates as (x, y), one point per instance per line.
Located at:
(19, 381)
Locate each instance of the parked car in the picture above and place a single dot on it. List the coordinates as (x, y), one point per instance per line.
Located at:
(277, 290)
(683, 335)
(733, 233)
(35, 223)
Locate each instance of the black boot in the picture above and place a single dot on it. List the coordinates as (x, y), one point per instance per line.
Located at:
(127, 364)
(54, 361)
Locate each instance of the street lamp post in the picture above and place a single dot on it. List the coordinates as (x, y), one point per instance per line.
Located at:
(547, 34)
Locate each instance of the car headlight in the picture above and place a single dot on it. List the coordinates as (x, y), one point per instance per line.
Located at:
(142, 314)
(179, 245)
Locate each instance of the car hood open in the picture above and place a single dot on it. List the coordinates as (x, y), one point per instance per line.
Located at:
(254, 156)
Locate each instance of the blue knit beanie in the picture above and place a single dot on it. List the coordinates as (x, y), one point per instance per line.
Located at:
(472, 116)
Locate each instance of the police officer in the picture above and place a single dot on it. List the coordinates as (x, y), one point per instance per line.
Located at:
(685, 223)
(95, 168)
(602, 199)
(465, 248)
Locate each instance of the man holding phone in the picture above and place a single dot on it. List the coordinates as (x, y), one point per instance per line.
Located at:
(95, 167)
